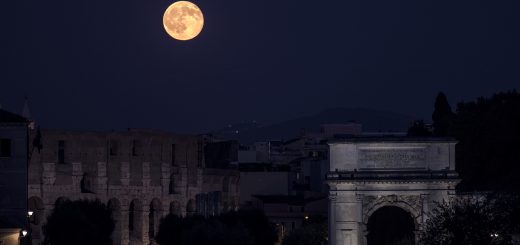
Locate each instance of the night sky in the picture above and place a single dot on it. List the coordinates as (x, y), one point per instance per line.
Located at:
(108, 64)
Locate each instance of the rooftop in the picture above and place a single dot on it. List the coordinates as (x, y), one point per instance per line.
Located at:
(9, 117)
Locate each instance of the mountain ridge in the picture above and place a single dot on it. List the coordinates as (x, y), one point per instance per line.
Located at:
(372, 120)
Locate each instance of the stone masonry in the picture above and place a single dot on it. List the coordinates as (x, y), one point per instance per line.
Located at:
(368, 174)
(142, 175)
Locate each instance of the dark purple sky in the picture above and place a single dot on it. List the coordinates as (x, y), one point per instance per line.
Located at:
(104, 64)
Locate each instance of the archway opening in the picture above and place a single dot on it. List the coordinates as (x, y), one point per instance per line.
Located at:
(191, 208)
(175, 208)
(135, 222)
(391, 226)
(154, 217)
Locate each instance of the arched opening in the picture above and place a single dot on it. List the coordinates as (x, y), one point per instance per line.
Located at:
(86, 184)
(115, 206)
(391, 225)
(60, 201)
(191, 207)
(135, 221)
(154, 217)
(35, 205)
(175, 208)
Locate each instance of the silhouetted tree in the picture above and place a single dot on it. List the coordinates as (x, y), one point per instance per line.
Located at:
(245, 227)
(313, 231)
(170, 230)
(80, 222)
(419, 129)
(472, 220)
(487, 153)
(254, 221)
(442, 116)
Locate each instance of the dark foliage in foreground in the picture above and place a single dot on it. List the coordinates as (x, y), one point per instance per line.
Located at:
(487, 131)
(313, 231)
(473, 220)
(245, 227)
(487, 153)
(80, 222)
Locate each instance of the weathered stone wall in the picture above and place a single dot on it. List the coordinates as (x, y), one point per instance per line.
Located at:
(381, 155)
(142, 175)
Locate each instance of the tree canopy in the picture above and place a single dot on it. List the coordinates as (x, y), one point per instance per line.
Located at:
(487, 153)
(81, 222)
(473, 220)
(314, 231)
(487, 131)
(442, 116)
(244, 227)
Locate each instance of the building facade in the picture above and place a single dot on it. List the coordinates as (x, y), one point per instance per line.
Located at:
(142, 175)
(369, 176)
(13, 177)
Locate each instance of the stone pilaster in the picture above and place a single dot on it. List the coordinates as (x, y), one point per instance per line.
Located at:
(125, 173)
(77, 175)
(102, 179)
(347, 219)
(165, 179)
(49, 173)
(144, 224)
(125, 239)
(146, 174)
(118, 226)
(332, 217)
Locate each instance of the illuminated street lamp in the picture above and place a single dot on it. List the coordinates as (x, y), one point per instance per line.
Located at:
(30, 213)
(24, 233)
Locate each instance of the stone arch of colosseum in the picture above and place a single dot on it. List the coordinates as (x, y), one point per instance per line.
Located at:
(145, 180)
(154, 216)
(175, 208)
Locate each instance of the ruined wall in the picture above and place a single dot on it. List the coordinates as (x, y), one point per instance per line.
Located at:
(141, 174)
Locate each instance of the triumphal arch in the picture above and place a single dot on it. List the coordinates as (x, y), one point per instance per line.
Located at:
(386, 186)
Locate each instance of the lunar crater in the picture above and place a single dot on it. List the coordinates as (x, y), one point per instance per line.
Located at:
(183, 20)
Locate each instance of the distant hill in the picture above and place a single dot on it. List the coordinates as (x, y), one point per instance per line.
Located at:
(372, 121)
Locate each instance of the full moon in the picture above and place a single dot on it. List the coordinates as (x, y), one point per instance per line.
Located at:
(183, 20)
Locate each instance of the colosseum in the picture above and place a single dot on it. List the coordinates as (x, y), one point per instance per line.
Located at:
(142, 175)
